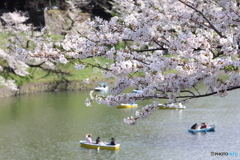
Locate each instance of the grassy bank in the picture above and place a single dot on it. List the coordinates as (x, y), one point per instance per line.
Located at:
(4, 40)
(65, 77)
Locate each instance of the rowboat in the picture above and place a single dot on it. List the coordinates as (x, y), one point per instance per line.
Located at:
(171, 106)
(127, 105)
(137, 91)
(99, 146)
(102, 87)
(209, 128)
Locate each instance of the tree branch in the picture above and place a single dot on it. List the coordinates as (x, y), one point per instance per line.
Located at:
(204, 17)
(192, 96)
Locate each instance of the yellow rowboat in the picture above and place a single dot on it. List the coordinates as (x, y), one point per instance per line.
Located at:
(171, 106)
(99, 146)
(127, 105)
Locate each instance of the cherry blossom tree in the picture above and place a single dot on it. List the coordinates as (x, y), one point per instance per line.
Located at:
(13, 24)
(171, 47)
(20, 34)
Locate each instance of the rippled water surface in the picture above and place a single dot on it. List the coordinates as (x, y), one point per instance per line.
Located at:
(50, 125)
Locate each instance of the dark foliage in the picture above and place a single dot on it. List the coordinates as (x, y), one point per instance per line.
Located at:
(95, 7)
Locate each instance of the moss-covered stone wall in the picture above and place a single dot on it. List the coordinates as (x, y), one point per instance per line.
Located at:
(58, 21)
(54, 86)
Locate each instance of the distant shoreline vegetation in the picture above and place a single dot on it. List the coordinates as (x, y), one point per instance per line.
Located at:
(52, 87)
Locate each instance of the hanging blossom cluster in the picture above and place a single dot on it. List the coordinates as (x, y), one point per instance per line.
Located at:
(18, 67)
(141, 114)
(8, 83)
(167, 47)
(14, 22)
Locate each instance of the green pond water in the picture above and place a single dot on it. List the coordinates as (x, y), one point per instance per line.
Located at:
(49, 126)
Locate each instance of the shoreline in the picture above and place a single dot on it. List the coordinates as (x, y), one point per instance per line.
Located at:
(51, 87)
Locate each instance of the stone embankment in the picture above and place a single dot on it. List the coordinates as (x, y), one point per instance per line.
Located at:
(51, 87)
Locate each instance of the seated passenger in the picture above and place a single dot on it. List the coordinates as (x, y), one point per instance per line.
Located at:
(98, 140)
(88, 138)
(112, 142)
(203, 125)
(194, 126)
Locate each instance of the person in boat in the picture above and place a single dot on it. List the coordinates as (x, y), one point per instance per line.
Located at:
(170, 105)
(88, 138)
(194, 126)
(112, 142)
(180, 105)
(203, 125)
(98, 140)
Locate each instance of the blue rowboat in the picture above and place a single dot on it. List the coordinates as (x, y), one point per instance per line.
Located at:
(137, 91)
(209, 128)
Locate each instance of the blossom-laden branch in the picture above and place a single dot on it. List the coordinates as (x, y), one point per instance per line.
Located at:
(204, 17)
(171, 48)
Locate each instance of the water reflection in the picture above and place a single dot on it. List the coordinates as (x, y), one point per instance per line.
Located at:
(89, 153)
(198, 133)
(180, 112)
(98, 154)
